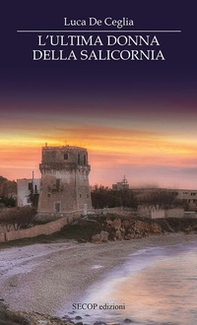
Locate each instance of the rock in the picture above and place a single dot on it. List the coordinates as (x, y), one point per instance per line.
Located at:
(116, 224)
(128, 320)
(34, 318)
(13, 282)
(102, 237)
(96, 238)
(78, 317)
(123, 230)
(12, 317)
(118, 235)
(100, 323)
(67, 318)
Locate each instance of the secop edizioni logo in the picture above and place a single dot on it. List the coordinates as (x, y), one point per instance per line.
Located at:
(94, 305)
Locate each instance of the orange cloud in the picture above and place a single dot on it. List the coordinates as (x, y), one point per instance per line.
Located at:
(107, 146)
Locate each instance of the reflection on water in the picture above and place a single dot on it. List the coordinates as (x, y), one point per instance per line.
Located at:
(156, 286)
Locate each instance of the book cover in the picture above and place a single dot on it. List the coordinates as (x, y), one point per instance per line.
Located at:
(118, 79)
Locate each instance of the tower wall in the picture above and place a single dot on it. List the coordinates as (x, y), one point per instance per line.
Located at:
(64, 183)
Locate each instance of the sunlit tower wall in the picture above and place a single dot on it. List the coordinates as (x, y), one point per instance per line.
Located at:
(64, 181)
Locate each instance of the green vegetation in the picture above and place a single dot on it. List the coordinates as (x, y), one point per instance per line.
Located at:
(7, 202)
(158, 197)
(17, 218)
(8, 190)
(83, 229)
(105, 197)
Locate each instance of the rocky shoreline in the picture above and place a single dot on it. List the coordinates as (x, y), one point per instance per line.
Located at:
(114, 227)
(11, 317)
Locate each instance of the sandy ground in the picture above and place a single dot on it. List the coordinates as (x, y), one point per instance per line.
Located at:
(48, 278)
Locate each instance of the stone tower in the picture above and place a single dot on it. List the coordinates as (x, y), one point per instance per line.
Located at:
(64, 183)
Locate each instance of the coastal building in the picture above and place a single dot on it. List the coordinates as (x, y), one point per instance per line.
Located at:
(121, 185)
(27, 188)
(64, 181)
(180, 197)
(189, 197)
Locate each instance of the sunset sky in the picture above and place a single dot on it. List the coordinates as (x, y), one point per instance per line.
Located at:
(136, 118)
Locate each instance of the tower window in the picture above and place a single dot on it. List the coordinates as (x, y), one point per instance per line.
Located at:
(57, 207)
(84, 160)
(30, 186)
(65, 156)
(79, 159)
(58, 184)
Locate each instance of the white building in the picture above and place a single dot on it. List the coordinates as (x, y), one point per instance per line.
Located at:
(189, 197)
(26, 187)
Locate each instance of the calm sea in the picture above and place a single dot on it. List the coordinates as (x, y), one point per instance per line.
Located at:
(156, 286)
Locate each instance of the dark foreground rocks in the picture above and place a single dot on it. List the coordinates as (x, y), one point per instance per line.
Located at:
(11, 317)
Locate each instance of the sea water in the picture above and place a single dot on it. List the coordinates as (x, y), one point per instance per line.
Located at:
(156, 286)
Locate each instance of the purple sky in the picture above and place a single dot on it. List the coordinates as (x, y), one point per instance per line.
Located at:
(136, 118)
